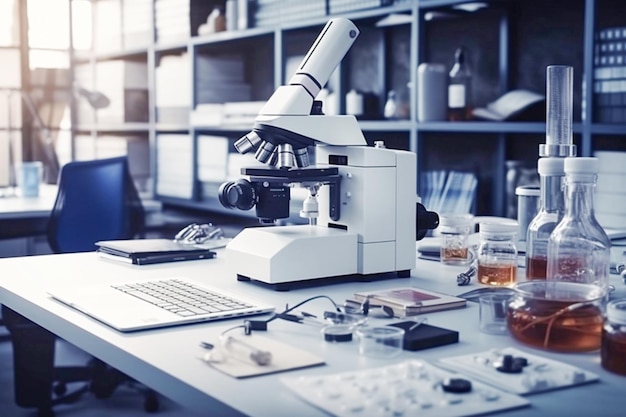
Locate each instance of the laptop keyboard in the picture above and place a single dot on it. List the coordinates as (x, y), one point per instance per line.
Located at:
(181, 297)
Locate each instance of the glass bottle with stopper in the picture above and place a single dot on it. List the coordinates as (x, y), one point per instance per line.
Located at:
(578, 248)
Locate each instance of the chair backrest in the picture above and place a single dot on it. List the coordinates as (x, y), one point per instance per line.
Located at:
(97, 200)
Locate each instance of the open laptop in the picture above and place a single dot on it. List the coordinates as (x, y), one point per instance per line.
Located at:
(154, 303)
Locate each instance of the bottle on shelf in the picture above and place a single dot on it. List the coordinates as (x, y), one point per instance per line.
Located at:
(578, 248)
(459, 88)
(391, 105)
(551, 211)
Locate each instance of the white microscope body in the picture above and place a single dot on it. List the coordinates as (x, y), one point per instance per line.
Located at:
(366, 222)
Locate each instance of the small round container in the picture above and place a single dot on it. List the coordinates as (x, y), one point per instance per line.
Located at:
(497, 253)
(492, 313)
(338, 333)
(557, 316)
(454, 230)
(380, 341)
(613, 349)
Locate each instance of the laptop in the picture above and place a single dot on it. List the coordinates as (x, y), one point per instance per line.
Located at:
(156, 303)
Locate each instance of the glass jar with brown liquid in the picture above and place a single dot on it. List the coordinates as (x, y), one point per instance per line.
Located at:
(455, 229)
(613, 350)
(557, 316)
(497, 253)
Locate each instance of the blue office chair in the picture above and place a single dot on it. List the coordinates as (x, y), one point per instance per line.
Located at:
(97, 200)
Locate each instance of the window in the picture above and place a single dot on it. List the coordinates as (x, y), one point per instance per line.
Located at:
(41, 78)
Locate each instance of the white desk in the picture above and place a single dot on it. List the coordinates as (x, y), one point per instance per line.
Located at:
(23, 219)
(18, 207)
(167, 361)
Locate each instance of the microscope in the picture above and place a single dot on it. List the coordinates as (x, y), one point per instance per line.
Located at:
(362, 207)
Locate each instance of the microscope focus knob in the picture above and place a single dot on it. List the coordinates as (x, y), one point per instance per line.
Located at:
(239, 194)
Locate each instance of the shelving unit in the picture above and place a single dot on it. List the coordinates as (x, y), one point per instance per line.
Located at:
(509, 43)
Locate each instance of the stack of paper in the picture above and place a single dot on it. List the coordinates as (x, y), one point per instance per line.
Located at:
(212, 158)
(171, 19)
(125, 83)
(173, 89)
(611, 190)
(273, 12)
(136, 25)
(107, 26)
(174, 177)
(220, 79)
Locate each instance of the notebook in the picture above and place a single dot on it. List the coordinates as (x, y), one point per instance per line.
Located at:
(155, 303)
(151, 251)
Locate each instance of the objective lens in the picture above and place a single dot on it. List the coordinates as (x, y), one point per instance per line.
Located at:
(285, 155)
(264, 152)
(247, 143)
(302, 157)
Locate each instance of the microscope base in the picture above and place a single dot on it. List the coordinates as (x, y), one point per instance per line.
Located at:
(295, 256)
(292, 285)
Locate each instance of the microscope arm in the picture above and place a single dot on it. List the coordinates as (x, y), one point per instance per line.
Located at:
(283, 126)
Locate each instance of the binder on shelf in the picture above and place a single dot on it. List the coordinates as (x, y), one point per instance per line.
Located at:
(609, 75)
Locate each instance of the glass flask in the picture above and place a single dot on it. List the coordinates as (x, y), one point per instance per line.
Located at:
(578, 248)
(497, 253)
(551, 211)
(571, 321)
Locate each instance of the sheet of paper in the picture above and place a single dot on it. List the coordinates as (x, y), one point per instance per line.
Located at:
(284, 357)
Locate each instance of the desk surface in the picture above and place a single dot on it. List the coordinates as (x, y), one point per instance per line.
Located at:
(167, 359)
(18, 207)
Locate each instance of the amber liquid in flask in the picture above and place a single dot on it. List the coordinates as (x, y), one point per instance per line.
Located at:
(497, 274)
(561, 317)
(613, 350)
(536, 268)
(455, 255)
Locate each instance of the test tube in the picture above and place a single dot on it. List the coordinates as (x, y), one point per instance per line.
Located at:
(559, 98)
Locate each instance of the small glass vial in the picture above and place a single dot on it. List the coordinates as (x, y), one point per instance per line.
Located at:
(454, 229)
(497, 253)
(613, 347)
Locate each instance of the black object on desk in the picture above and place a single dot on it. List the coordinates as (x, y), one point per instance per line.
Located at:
(151, 251)
(424, 336)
